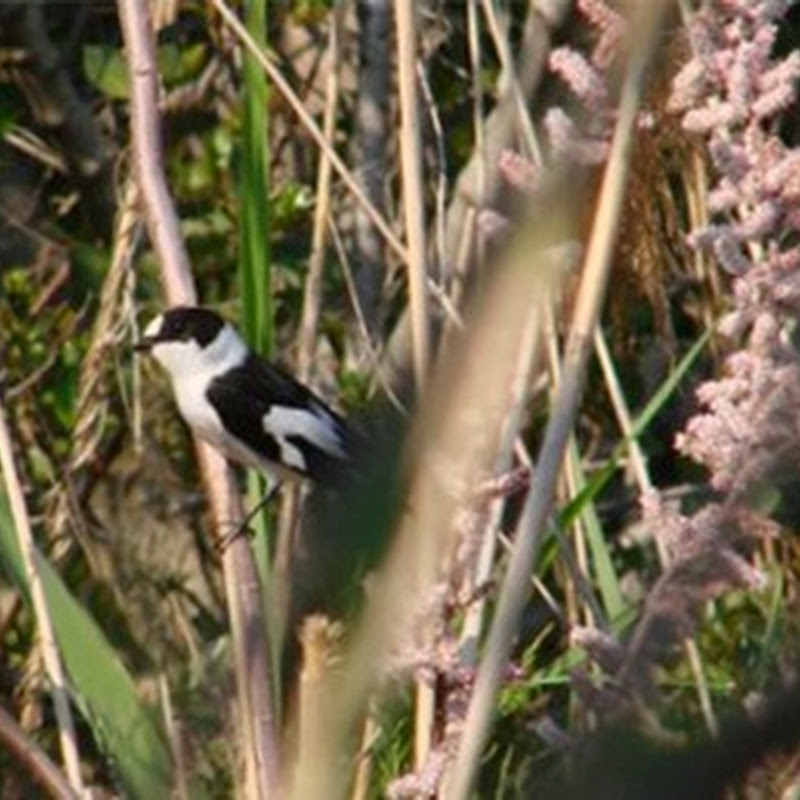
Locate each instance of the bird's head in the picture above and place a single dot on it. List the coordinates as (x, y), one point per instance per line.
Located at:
(189, 340)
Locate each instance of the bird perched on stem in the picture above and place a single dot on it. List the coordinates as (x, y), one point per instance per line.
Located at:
(237, 401)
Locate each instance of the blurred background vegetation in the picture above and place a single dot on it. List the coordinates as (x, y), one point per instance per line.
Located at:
(108, 468)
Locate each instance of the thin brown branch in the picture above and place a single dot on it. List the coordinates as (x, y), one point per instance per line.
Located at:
(252, 661)
(28, 756)
(312, 292)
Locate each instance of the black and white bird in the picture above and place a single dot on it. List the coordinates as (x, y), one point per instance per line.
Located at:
(241, 404)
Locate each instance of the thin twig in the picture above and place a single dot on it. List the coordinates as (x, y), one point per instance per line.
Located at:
(441, 164)
(29, 756)
(312, 292)
(502, 44)
(474, 617)
(352, 293)
(50, 653)
(176, 740)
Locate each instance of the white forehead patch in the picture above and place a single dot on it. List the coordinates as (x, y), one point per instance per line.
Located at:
(154, 326)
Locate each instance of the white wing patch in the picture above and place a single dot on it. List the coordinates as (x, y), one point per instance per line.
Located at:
(312, 424)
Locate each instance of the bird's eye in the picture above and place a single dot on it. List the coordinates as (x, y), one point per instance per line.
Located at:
(178, 329)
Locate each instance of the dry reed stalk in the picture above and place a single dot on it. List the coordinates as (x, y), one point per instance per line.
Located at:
(539, 501)
(457, 438)
(59, 690)
(413, 213)
(251, 657)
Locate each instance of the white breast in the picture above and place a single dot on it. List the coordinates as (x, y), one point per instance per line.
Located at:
(190, 392)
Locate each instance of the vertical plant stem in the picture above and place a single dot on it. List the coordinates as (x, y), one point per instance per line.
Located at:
(502, 44)
(312, 301)
(252, 663)
(176, 740)
(474, 617)
(537, 506)
(255, 283)
(413, 211)
(254, 254)
(370, 153)
(52, 660)
(645, 484)
(282, 85)
(312, 291)
(576, 481)
(369, 734)
(413, 193)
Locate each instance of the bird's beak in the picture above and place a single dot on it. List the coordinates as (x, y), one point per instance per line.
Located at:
(144, 345)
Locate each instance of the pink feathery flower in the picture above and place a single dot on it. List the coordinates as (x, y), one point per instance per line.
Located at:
(601, 15)
(759, 222)
(732, 160)
(786, 71)
(492, 225)
(565, 140)
(719, 115)
(787, 261)
(519, 171)
(580, 76)
(729, 253)
(611, 26)
(782, 174)
(424, 783)
(689, 86)
(740, 80)
(725, 197)
(773, 102)
(560, 129)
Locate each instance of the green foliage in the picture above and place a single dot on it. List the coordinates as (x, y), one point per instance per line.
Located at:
(242, 179)
(254, 209)
(104, 691)
(49, 346)
(105, 68)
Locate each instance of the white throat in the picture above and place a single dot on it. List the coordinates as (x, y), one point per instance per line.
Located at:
(188, 360)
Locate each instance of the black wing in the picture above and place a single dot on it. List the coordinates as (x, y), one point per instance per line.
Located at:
(247, 394)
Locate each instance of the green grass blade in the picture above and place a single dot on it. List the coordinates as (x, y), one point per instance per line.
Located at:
(606, 576)
(640, 424)
(103, 690)
(255, 262)
(573, 509)
(254, 255)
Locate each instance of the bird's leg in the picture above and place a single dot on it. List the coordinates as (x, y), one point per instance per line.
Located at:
(242, 527)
